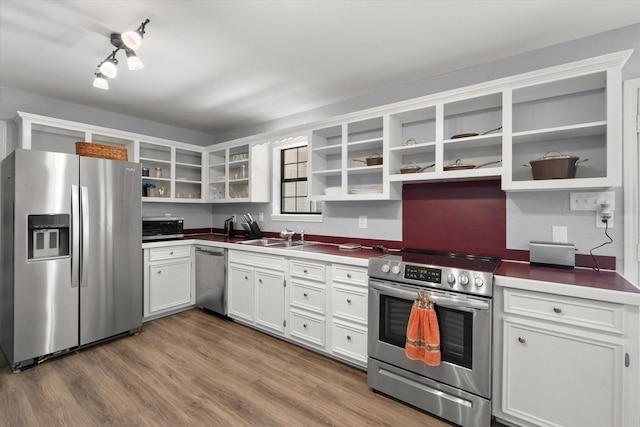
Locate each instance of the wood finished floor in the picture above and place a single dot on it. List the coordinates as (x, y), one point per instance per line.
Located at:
(194, 369)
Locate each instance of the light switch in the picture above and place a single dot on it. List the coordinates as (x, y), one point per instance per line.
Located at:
(362, 221)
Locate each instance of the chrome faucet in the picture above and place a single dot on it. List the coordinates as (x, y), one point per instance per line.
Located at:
(288, 233)
(301, 236)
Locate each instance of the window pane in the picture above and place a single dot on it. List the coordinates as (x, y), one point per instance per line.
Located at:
(290, 171)
(302, 154)
(303, 204)
(290, 155)
(301, 189)
(290, 205)
(302, 169)
(289, 189)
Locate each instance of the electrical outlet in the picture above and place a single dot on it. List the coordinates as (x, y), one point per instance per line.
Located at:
(261, 216)
(234, 218)
(362, 221)
(600, 224)
(559, 234)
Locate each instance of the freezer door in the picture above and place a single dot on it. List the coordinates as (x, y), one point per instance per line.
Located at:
(45, 296)
(111, 267)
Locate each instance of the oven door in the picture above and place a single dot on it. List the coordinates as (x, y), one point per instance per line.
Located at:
(465, 334)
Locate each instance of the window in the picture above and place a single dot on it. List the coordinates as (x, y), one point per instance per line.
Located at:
(293, 179)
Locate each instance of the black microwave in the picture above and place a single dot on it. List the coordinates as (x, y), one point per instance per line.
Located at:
(162, 227)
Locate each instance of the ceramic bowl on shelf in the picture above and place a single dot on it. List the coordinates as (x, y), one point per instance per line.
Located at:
(332, 191)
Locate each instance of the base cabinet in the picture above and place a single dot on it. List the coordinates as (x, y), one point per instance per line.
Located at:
(256, 290)
(564, 361)
(169, 280)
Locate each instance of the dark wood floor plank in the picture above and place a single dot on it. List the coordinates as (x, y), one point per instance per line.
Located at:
(195, 369)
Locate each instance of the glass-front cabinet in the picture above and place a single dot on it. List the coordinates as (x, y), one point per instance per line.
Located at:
(239, 173)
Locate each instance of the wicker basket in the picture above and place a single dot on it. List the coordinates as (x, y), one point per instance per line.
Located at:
(102, 151)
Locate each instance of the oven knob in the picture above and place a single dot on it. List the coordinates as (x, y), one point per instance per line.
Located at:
(395, 269)
(478, 282)
(464, 279)
(385, 268)
(451, 279)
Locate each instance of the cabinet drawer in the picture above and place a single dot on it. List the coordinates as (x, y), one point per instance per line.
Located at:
(255, 259)
(597, 315)
(350, 341)
(308, 270)
(308, 297)
(307, 328)
(350, 303)
(350, 274)
(169, 252)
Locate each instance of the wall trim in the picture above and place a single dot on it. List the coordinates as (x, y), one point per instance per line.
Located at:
(631, 180)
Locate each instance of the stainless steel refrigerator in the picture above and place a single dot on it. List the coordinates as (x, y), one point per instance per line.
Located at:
(71, 253)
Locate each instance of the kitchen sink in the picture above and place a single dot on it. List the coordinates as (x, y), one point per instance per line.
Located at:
(274, 243)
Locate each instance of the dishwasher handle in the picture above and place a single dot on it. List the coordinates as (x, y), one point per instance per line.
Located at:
(211, 252)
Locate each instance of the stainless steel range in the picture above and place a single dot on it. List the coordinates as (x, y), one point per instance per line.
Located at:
(461, 288)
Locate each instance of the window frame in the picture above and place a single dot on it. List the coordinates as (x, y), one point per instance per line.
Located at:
(276, 157)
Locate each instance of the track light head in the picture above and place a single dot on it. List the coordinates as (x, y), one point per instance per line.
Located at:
(133, 39)
(109, 66)
(133, 61)
(100, 81)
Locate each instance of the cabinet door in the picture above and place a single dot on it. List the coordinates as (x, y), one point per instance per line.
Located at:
(240, 288)
(169, 285)
(270, 300)
(561, 377)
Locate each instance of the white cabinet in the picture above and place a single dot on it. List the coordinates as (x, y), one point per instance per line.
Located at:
(349, 290)
(564, 361)
(175, 173)
(307, 302)
(494, 128)
(239, 173)
(347, 161)
(169, 280)
(256, 290)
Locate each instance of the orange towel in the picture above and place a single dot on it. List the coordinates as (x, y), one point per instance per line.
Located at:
(423, 335)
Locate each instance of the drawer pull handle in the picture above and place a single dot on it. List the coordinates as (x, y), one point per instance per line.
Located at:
(246, 278)
(304, 325)
(348, 275)
(348, 301)
(348, 337)
(159, 271)
(305, 271)
(259, 280)
(305, 294)
(171, 253)
(522, 340)
(557, 310)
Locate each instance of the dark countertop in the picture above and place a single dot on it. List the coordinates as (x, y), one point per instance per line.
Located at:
(606, 280)
(582, 277)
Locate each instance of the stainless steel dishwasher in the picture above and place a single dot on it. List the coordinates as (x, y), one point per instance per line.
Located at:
(211, 279)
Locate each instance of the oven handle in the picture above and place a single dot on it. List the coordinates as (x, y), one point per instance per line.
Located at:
(442, 300)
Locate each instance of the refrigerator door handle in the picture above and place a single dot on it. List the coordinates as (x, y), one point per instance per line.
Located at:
(75, 243)
(84, 272)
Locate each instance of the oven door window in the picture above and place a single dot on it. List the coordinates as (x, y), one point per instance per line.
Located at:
(456, 329)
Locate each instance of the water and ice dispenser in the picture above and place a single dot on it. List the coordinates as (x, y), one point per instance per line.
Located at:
(48, 236)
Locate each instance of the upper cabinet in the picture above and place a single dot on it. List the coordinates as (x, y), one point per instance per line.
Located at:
(170, 172)
(239, 173)
(489, 130)
(348, 161)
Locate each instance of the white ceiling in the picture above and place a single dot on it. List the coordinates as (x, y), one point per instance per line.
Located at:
(215, 66)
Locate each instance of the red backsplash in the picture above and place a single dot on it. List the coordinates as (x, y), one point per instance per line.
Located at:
(467, 217)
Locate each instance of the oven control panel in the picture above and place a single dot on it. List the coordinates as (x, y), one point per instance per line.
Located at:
(424, 274)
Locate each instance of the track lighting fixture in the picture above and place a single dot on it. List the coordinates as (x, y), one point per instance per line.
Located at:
(128, 41)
